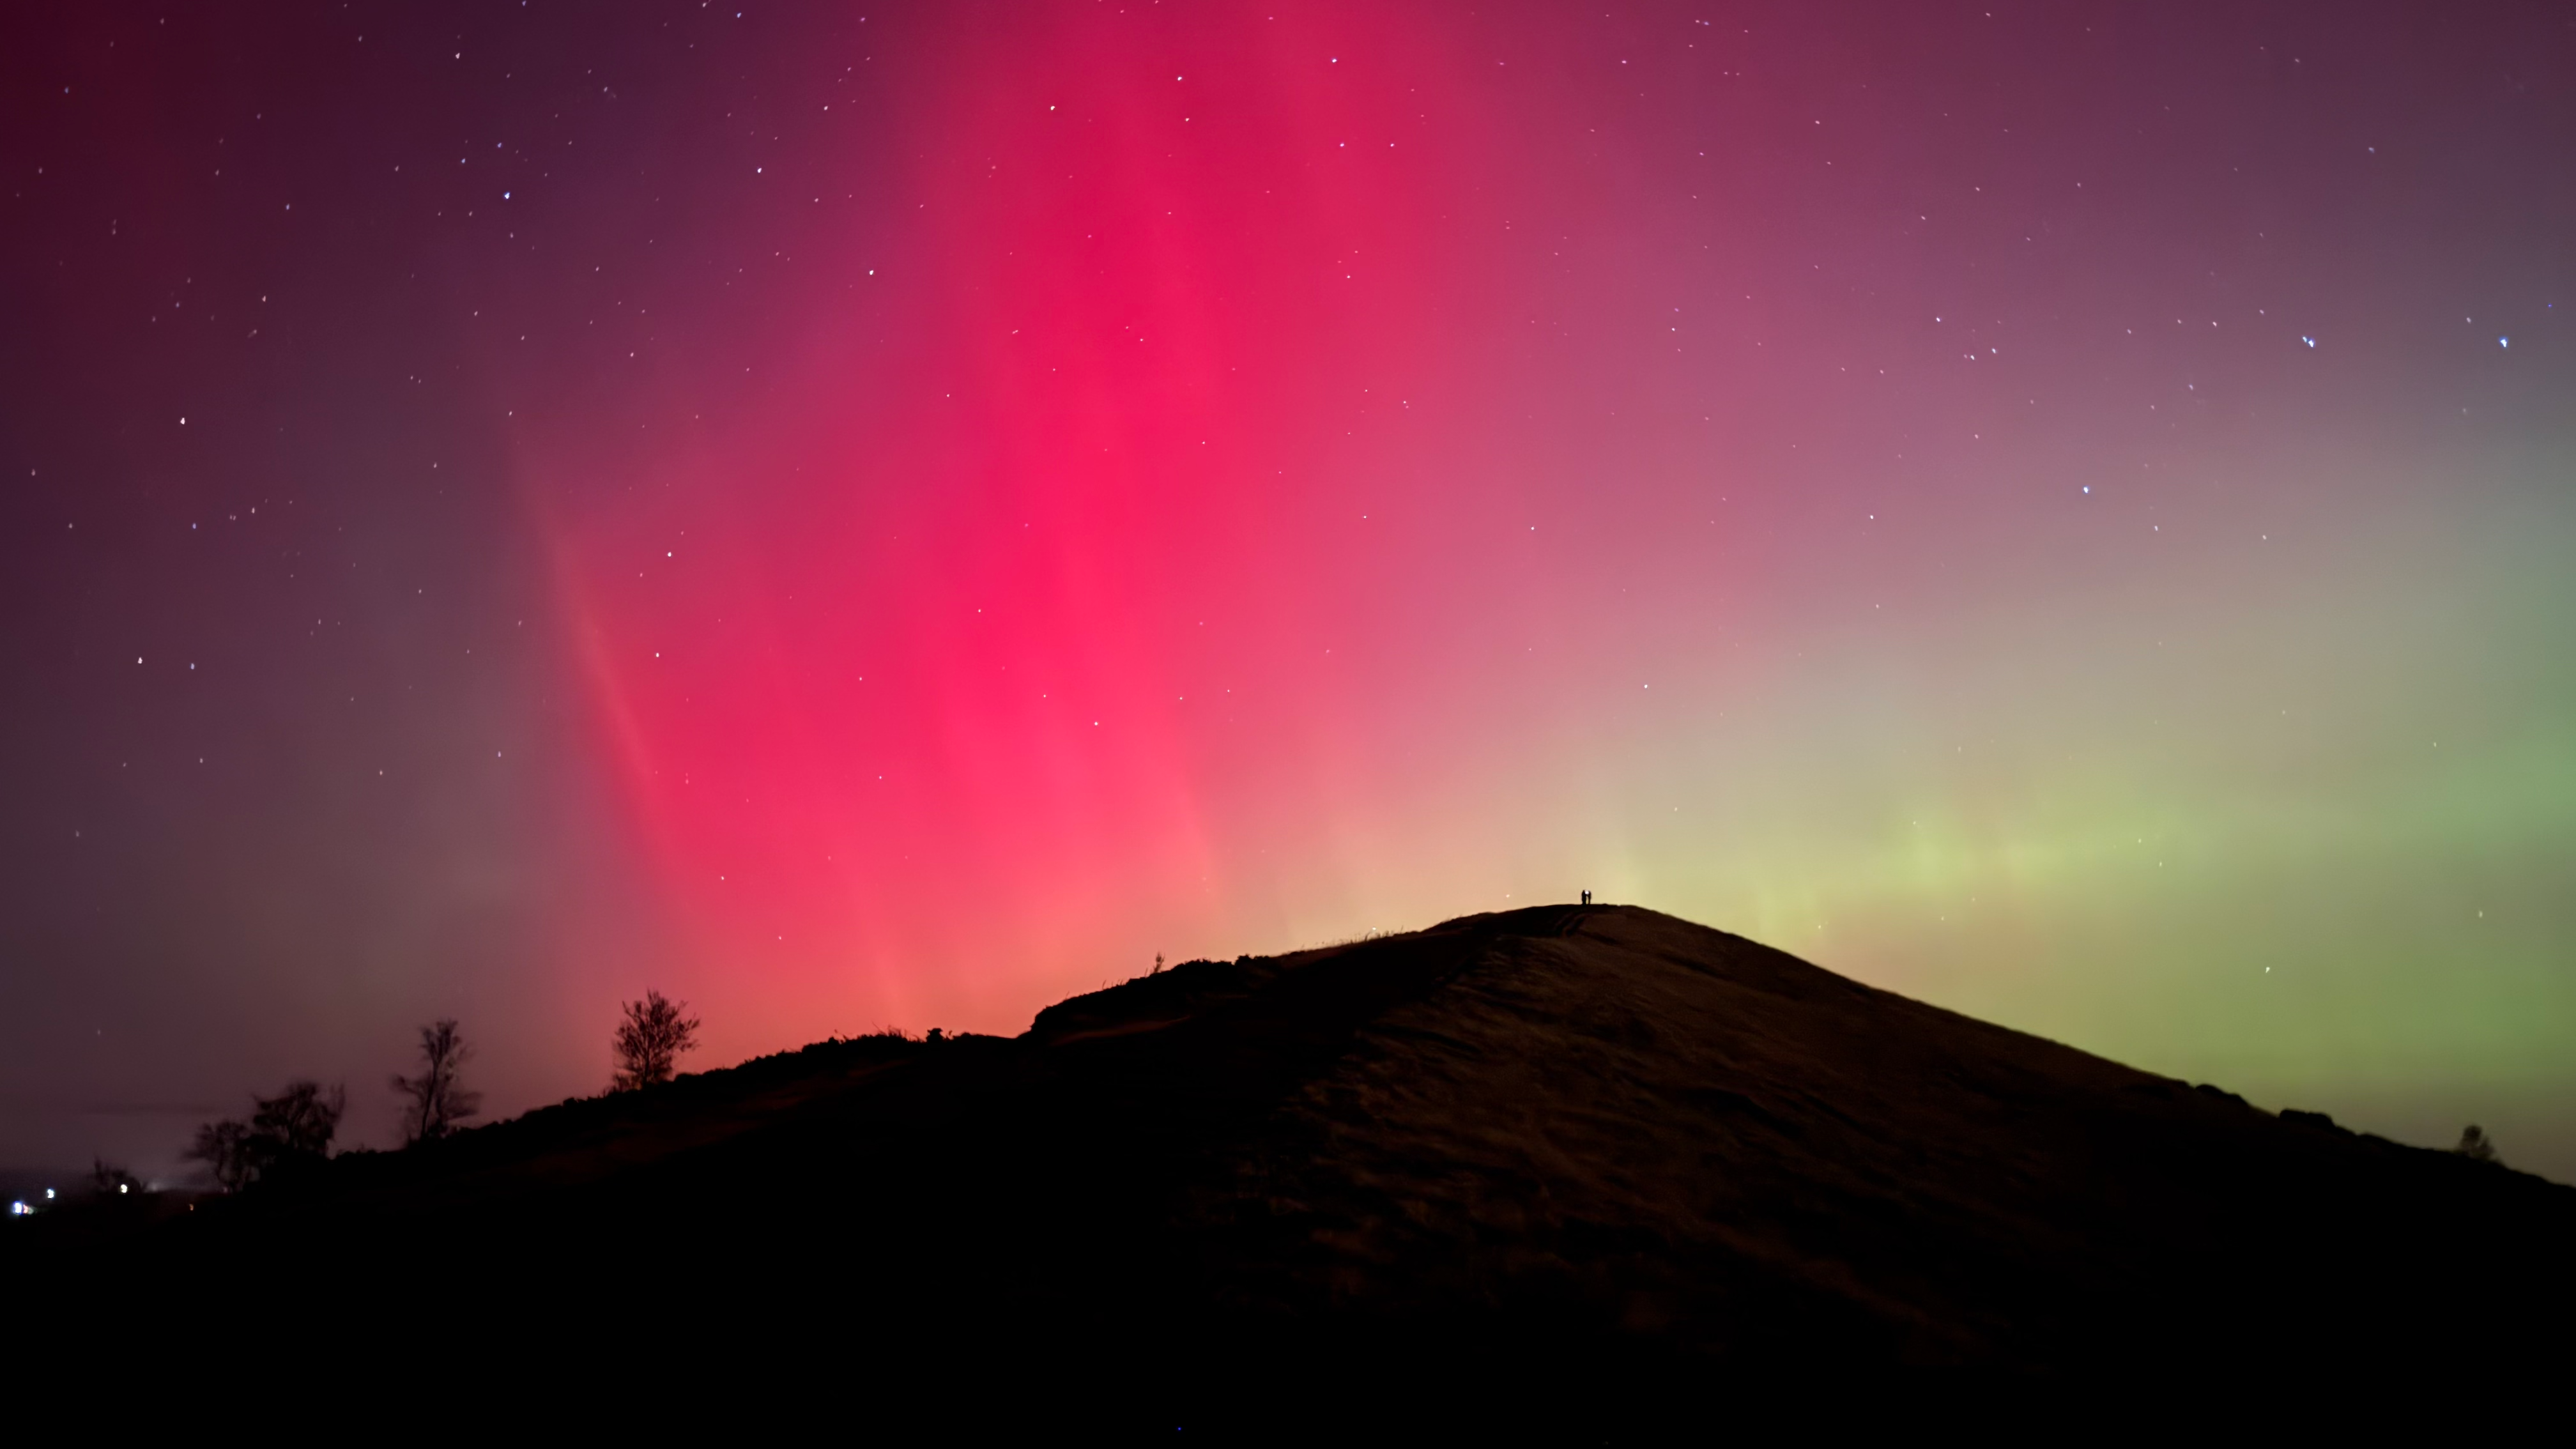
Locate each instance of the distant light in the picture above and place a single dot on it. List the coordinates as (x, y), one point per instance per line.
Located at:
(49, 1194)
(123, 1188)
(19, 1210)
(2504, 342)
(2309, 340)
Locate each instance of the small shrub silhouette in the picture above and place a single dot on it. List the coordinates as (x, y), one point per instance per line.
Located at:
(2477, 1146)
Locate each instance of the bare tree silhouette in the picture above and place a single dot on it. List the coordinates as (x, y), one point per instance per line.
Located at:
(293, 1128)
(108, 1179)
(435, 1102)
(302, 1119)
(649, 1042)
(225, 1149)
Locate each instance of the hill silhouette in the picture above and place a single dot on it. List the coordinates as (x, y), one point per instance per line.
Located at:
(1568, 1155)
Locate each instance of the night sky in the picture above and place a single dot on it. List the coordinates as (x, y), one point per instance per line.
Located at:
(892, 514)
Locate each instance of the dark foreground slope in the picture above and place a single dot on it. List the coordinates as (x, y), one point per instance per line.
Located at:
(1544, 1153)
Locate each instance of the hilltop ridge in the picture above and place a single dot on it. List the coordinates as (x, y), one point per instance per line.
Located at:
(1595, 1138)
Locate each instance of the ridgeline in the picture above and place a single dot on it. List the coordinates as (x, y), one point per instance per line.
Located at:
(1541, 1162)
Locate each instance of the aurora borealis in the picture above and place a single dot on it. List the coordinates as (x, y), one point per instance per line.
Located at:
(895, 514)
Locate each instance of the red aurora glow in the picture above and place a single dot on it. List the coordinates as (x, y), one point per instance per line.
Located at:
(1044, 575)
